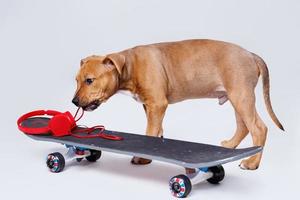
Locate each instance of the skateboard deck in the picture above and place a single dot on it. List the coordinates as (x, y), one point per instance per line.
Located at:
(182, 153)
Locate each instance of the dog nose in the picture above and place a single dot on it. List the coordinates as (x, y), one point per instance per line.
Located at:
(76, 101)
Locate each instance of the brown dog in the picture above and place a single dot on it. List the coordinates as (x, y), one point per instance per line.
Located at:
(164, 73)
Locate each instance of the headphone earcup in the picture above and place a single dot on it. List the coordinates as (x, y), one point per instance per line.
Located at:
(62, 124)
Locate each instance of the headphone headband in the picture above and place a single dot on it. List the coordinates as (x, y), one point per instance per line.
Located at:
(32, 114)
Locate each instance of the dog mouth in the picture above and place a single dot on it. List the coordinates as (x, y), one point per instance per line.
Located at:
(91, 106)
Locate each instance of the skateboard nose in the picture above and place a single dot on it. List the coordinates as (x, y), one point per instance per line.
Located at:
(76, 101)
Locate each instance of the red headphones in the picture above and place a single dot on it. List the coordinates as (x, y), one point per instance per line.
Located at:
(60, 124)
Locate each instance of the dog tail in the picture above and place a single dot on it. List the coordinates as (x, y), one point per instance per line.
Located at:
(263, 69)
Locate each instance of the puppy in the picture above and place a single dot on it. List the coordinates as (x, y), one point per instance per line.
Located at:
(160, 74)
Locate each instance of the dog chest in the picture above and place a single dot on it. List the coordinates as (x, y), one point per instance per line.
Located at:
(130, 94)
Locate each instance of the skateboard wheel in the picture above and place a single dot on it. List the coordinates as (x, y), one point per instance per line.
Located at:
(218, 174)
(180, 186)
(95, 155)
(55, 162)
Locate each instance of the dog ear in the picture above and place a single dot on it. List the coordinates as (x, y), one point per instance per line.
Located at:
(116, 60)
(82, 61)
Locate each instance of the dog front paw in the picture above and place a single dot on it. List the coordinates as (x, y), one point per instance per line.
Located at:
(140, 161)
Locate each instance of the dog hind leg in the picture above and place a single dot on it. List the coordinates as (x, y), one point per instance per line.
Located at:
(240, 133)
(244, 104)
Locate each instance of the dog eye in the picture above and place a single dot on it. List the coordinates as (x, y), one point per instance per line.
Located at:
(89, 81)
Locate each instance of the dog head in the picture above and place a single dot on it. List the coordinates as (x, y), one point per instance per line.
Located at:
(97, 80)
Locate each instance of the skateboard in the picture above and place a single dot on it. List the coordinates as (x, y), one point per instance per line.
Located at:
(207, 160)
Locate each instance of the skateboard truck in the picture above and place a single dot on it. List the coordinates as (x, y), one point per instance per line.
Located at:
(181, 185)
(56, 161)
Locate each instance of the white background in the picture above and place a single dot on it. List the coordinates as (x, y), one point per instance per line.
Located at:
(41, 44)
